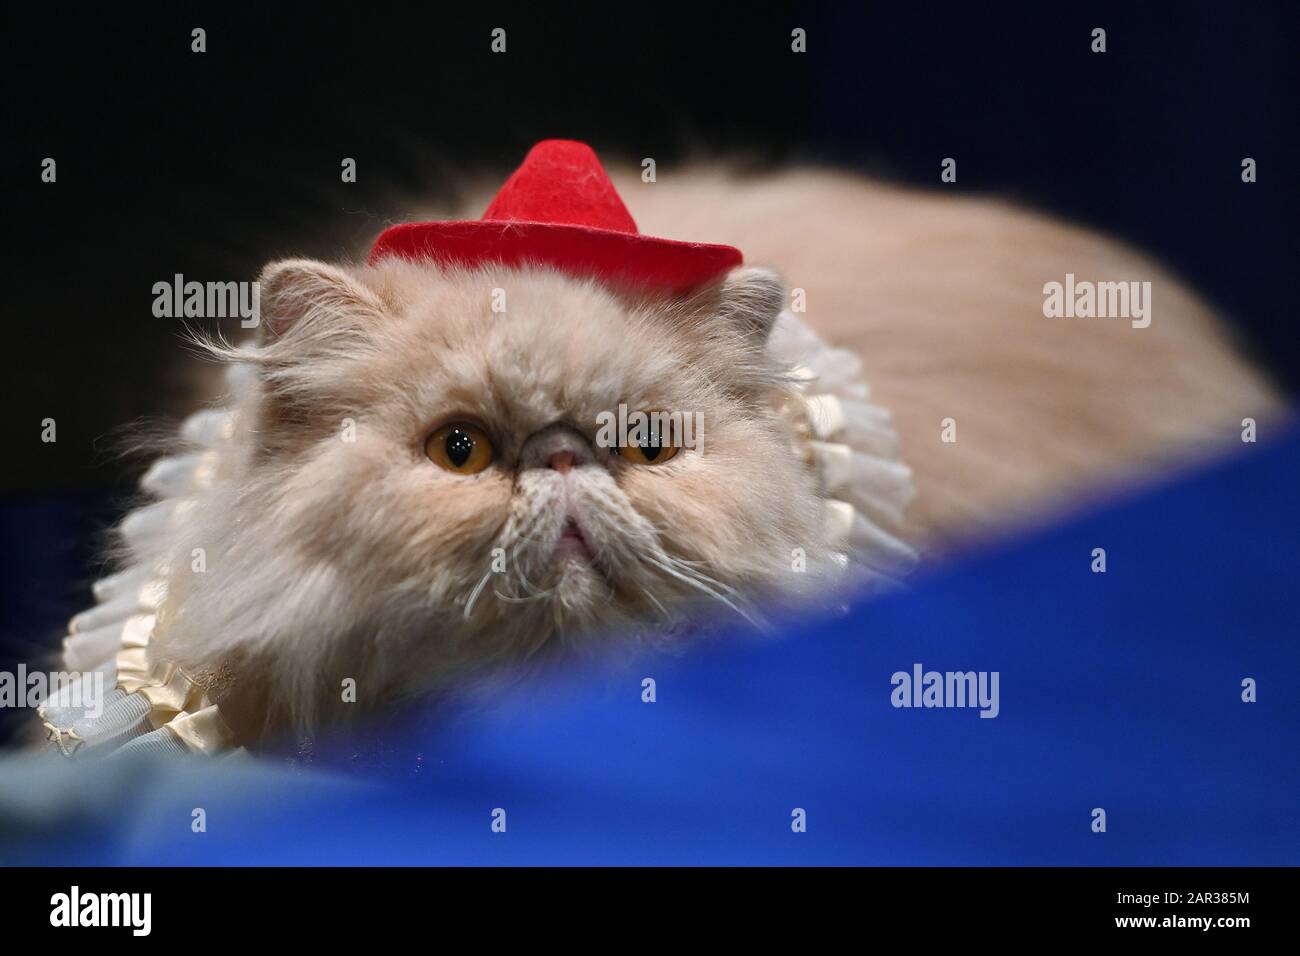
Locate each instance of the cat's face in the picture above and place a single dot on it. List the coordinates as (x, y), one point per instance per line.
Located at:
(428, 486)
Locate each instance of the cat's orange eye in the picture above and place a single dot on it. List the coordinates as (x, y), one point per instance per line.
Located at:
(658, 449)
(648, 454)
(460, 447)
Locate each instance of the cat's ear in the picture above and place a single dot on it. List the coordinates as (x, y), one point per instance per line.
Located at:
(749, 300)
(304, 298)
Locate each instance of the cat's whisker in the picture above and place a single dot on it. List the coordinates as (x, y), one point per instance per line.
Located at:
(692, 567)
(693, 582)
(518, 566)
(663, 611)
(474, 595)
(538, 596)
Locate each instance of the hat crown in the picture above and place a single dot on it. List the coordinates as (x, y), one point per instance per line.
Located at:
(559, 210)
(561, 181)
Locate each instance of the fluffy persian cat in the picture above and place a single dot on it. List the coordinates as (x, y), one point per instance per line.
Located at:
(468, 516)
(393, 436)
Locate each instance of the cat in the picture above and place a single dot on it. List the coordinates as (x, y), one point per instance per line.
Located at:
(367, 558)
(405, 491)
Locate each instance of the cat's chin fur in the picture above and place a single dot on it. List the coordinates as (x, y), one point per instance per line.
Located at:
(335, 549)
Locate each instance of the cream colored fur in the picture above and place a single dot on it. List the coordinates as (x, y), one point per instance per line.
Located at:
(330, 559)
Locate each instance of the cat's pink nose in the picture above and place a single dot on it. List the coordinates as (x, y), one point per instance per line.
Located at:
(561, 461)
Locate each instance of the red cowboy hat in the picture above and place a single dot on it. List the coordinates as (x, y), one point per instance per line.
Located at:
(560, 209)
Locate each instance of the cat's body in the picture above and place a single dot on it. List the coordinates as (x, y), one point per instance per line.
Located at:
(943, 300)
(336, 548)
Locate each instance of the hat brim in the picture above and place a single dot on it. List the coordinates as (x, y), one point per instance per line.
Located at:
(622, 258)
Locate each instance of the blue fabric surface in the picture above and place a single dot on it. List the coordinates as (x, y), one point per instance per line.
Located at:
(1119, 690)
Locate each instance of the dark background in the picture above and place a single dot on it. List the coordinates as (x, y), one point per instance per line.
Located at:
(211, 164)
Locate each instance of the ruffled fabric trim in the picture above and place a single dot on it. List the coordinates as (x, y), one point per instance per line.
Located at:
(850, 444)
(153, 706)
